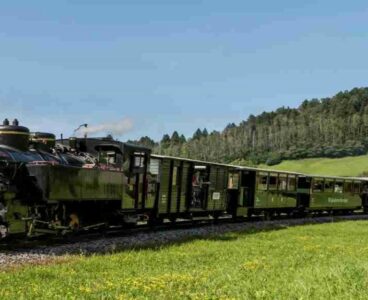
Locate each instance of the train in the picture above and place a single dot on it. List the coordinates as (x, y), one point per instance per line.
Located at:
(52, 186)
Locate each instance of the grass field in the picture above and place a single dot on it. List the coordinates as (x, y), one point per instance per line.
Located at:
(328, 261)
(347, 166)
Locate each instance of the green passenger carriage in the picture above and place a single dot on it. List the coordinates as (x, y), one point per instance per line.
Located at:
(187, 188)
(337, 194)
(253, 191)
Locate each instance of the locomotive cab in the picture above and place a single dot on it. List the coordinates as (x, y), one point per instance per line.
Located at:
(109, 156)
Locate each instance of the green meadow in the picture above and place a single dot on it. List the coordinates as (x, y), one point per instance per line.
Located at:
(326, 261)
(346, 166)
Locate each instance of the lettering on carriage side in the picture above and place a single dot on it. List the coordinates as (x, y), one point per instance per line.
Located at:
(337, 200)
(163, 198)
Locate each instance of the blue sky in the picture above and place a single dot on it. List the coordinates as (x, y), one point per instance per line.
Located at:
(170, 65)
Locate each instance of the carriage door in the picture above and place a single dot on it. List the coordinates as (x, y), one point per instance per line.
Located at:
(232, 192)
(200, 185)
(153, 183)
(304, 191)
(139, 165)
(175, 186)
(247, 189)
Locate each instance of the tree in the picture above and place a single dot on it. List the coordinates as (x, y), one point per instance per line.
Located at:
(182, 139)
(198, 134)
(165, 142)
(175, 139)
(147, 142)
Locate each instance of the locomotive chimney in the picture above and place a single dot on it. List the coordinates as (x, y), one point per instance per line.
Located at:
(6, 122)
(15, 122)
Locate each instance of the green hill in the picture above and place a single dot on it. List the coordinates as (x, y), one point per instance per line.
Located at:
(347, 166)
(331, 127)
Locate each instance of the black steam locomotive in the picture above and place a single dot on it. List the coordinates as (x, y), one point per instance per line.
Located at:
(50, 186)
(56, 188)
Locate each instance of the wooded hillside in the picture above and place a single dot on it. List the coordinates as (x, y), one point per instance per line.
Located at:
(328, 127)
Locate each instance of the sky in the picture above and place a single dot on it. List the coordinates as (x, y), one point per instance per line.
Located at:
(164, 65)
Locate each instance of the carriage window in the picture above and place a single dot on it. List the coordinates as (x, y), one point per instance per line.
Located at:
(282, 182)
(154, 166)
(338, 188)
(329, 185)
(348, 187)
(272, 183)
(291, 183)
(356, 187)
(233, 181)
(138, 161)
(262, 181)
(318, 185)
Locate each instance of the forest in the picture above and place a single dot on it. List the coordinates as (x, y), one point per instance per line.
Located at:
(327, 127)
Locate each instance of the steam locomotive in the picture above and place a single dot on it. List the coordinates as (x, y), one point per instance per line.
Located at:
(50, 186)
